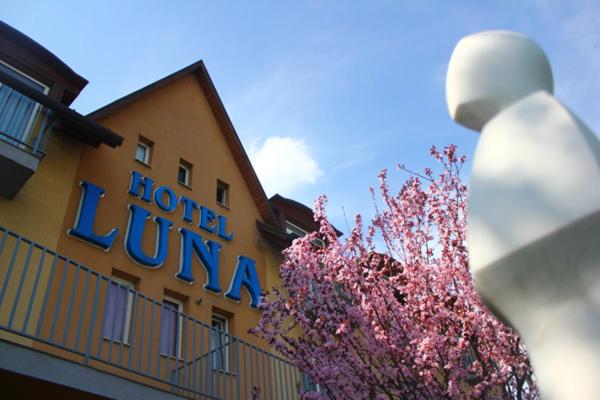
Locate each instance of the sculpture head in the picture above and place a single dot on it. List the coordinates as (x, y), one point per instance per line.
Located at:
(489, 71)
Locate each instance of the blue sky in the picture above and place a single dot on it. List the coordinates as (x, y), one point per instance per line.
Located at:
(323, 94)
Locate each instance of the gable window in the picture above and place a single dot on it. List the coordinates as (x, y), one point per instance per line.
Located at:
(184, 173)
(117, 314)
(295, 232)
(222, 193)
(219, 342)
(170, 327)
(17, 111)
(143, 151)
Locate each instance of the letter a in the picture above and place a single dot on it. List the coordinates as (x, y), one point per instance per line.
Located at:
(245, 275)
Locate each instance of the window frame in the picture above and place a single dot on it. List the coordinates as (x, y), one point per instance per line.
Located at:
(148, 146)
(293, 229)
(126, 329)
(224, 352)
(226, 194)
(187, 167)
(179, 326)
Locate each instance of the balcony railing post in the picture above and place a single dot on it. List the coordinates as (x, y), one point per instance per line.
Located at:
(20, 288)
(133, 325)
(70, 303)
(84, 299)
(46, 296)
(92, 321)
(34, 291)
(10, 269)
(142, 331)
(47, 121)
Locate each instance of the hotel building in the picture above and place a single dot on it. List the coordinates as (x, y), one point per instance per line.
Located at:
(134, 241)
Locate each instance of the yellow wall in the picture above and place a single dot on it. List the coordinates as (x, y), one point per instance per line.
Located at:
(38, 209)
(37, 213)
(178, 120)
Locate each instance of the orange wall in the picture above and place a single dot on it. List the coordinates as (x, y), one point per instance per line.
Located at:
(178, 119)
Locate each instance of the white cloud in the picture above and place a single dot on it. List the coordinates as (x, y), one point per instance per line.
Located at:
(284, 164)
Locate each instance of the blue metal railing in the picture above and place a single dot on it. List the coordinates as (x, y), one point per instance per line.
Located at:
(70, 310)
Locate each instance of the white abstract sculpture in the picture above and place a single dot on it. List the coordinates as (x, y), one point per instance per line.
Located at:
(534, 207)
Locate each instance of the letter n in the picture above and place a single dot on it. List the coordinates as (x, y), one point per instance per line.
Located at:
(208, 253)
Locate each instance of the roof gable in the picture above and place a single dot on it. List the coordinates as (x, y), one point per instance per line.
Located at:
(234, 144)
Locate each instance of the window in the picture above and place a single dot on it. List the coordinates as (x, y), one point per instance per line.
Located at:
(17, 111)
(170, 327)
(184, 174)
(143, 151)
(219, 342)
(295, 232)
(308, 386)
(117, 314)
(222, 193)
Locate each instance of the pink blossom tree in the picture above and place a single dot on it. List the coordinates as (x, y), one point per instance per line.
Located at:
(401, 320)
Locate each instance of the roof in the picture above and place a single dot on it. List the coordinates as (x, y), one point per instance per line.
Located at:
(291, 211)
(31, 56)
(232, 139)
(71, 122)
(296, 213)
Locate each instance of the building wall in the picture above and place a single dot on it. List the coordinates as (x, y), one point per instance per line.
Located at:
(61, 300)
(181, 125)
(36, 212)
(39, 208)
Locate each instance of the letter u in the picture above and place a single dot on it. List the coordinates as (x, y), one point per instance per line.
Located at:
(135, 232)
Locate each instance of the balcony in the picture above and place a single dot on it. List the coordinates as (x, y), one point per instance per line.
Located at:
(59, 315)
(27, 117)
(23, 124)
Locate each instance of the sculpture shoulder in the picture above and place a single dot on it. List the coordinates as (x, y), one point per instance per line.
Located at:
(536, 169)
(539, 109)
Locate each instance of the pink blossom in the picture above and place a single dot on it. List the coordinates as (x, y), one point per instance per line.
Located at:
(399, 322)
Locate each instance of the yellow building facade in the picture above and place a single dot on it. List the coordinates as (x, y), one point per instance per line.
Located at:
(134, 242)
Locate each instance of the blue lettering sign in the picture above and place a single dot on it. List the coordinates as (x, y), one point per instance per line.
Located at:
(245, 275)
(135, 232)
(207, 219)
(86, 215)
(146, 183)
(208, 253)
(159, 199)
(192, 244)
(223, 229)
(189, 206)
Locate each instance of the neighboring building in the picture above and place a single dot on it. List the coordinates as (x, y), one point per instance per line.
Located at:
(134, 242)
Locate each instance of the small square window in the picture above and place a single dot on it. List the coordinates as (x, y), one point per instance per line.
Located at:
(222, 193)
(184, 173)
(143, 151)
